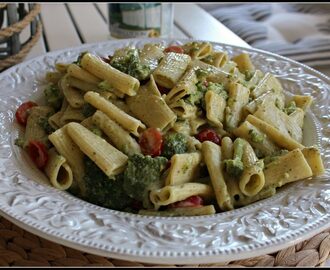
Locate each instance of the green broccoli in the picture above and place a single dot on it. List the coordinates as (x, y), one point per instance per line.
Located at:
(255, 136)
(174, 143)
(142, 174)
(234, 167)
(54, 97)
(290, 108)
(43, 122)
(103, 191)
(197, 98)
(88, 110)
(131, 65)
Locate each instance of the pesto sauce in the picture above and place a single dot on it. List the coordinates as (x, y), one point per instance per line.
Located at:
(131, 65)
(142, 174)
(53, 96)
(256, 137)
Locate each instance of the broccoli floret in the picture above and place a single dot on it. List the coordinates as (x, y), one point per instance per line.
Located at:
(174, 143)
(43, 122)
(53, 95)
(290, 108)
(88, 110)
(142, 174)
(131, 65)
(103, 191)
(198, 97)
(234, 167)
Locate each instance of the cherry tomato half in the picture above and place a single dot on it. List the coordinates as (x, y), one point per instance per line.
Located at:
(151, 142)
(38, 153)
(193, 201)
(22, 112)
(175, 49)
(208, 134)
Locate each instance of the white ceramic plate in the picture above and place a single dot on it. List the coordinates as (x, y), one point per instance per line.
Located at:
(296, 212)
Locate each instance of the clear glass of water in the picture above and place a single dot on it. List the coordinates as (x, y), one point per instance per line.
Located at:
(140, 20)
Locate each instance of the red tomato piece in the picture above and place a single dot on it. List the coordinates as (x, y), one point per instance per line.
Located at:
(38, 153)
(193, 201)
(208, 134)
(151, 142)
(175, 49)
(22, 112)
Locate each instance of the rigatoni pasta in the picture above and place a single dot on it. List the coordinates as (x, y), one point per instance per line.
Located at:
(177, 131)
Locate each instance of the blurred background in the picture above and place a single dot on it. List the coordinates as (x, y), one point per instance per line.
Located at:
(300, 31)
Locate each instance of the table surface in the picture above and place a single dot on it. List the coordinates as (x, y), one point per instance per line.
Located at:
(65, 25)
(72, 24)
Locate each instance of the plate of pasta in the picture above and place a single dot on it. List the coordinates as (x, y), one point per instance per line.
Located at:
(166, 151)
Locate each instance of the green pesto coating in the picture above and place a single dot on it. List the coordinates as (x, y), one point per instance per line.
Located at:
(142, 174)
(234, 167)
(290, 108)
(198, 97)
(104, 191)
(53, 96)
(256, 137)
(43, 122)
(131, 65)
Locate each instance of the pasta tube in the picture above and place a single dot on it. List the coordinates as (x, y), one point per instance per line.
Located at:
(171, 69)
(184, 168)
(212, 158)
(79, 73)
(314, 160)
(171, 194)
(274, 134)
(259, 140)
(244, 63)
(58, 171)
(215, 108)
(238, 98)
(73, 96)
(151, 109)
(287, 168)
(119, 80)
(252, 179)
(128, 122)
(74, 157)
(118, 136)
(185, 86)
(110, 160)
